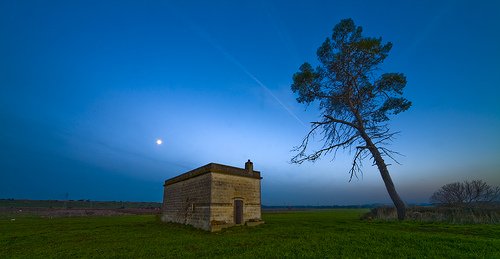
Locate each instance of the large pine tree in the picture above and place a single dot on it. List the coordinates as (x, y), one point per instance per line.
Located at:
(355, 101)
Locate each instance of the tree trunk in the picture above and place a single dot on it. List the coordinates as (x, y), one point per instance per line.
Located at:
(389, 185)
(384, 172)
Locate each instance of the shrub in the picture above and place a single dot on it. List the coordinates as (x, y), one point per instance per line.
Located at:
(454, 215)
(466, 194)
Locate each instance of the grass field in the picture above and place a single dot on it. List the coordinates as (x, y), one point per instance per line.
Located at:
(333, 233)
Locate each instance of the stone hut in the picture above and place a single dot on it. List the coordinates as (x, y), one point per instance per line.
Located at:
(213, 197)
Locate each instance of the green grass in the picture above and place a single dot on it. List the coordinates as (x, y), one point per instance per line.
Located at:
(333, 233)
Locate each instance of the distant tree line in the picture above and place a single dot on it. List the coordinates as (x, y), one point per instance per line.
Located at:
(466, 194)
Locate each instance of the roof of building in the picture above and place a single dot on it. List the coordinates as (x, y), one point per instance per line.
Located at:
(214, 168)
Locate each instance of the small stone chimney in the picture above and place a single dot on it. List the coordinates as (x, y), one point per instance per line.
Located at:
(249, 166)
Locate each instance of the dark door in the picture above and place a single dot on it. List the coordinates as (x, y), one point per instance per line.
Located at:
(238, 211)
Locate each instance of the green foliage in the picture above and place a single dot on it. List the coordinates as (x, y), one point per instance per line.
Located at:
(333, 233)
(346, 81)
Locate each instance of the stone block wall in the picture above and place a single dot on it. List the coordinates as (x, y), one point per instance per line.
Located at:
(188, 202)
(225, 189)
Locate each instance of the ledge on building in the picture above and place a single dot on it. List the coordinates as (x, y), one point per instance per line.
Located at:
(214, 168)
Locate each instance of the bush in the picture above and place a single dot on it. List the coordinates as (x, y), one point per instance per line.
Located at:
(454, 215)
(466, 194)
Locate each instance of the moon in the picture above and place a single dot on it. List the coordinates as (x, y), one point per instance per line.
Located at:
(159, 142)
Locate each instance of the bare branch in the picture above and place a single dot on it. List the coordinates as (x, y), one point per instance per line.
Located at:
(390, 153)
(341, 121)
(356, 163)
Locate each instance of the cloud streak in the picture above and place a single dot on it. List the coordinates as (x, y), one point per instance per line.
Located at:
(205, 36)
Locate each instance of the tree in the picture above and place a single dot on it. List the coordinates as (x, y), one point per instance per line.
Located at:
(355, 101)
(465, 193)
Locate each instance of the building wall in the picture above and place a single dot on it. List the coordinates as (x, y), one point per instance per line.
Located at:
(188, 201)
(207, 201)
(225, 189)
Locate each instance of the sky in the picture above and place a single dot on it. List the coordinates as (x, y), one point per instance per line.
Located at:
(87, 87)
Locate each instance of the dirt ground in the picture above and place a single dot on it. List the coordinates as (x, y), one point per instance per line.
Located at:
(76, 212)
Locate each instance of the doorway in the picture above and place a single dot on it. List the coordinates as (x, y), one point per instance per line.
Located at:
(238, 211)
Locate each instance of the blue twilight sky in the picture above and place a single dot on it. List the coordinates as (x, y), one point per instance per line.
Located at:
(86, 87)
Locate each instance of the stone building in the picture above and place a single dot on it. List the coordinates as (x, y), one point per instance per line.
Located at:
(213, 197)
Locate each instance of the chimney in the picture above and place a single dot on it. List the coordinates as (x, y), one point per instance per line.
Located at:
(249, 166)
